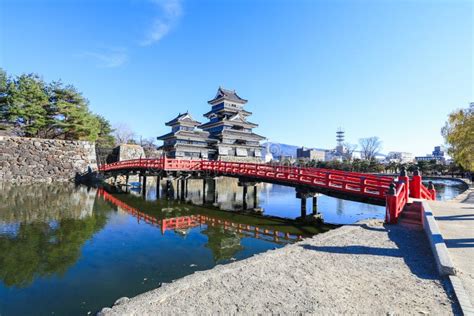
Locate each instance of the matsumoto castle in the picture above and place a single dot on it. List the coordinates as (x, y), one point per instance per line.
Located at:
(226, 136)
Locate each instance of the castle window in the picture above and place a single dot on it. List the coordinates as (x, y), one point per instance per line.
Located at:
(240, 142)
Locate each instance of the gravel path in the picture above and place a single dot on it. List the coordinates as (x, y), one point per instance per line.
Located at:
(360, 269)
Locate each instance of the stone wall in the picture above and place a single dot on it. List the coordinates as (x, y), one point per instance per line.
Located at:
(27, 160)
(128, 151)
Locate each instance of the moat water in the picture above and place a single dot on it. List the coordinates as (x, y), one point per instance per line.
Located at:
(71, 250)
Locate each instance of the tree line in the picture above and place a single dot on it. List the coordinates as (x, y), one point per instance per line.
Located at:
(373, 166)
(31, 107)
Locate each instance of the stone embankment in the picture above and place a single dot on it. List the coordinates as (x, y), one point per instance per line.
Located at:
(27, 160)
(449, 224)
(367, 268)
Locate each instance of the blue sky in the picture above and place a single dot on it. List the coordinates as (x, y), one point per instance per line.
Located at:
(392, 69)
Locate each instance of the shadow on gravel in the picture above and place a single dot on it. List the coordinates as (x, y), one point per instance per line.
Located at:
(460, 243)
(411, 245)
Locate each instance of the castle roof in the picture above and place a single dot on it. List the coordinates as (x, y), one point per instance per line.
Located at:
(185, 119)
(225, 94)
(196, 135)
(234, 120)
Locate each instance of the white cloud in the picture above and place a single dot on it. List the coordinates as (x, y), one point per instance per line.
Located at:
(111, 58)
(170, 12)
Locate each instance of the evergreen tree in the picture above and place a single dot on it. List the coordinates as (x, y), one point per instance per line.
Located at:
(54, 110)
(105, 138)
(3, 94)
(72, 119)
(27, 103)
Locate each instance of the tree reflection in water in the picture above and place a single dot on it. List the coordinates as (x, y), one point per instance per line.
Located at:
(44, 236)
(224, 244)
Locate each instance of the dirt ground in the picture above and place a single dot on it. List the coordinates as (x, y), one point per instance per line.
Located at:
(366, 268)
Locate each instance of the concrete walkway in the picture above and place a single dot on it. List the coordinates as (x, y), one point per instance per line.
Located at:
(369, 269)
(456, 224)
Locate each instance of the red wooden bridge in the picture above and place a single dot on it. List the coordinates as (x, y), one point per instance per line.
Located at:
(395, 193)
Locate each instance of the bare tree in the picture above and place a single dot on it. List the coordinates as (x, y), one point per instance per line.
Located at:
(123, 134)
(349, 150)
(370, 146)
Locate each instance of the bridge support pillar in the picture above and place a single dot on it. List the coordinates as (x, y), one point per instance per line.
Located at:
(158, 187)
(186, 187)
(255, 196)
(245, 183)
(182, 188)
(212, 189)
(144, 186)
(303, 207)
(303, 194)
(169, 187)
(315, 204)
(244, 197)
(177, 189)
(204, 191)
(216, 198)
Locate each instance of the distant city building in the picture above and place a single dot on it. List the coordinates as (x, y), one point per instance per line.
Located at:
(311, 154)
(226, 136)
(437, 152)
(437, 155)
(184, 140)
(400, 157)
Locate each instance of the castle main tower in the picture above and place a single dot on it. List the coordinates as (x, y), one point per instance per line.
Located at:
(229, 126)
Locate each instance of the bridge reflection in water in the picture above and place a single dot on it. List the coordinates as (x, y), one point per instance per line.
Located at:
(277, 230)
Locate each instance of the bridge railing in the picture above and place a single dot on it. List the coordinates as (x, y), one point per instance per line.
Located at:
(396, 201)
(182, 164)
(368, 185)
(133, 164)
(358, 183)
(398, 194)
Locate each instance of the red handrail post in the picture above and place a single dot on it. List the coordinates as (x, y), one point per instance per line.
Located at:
(391, 205)
(432, 190)
(404, 178)
(415, 188)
